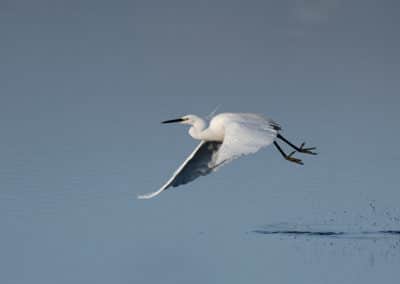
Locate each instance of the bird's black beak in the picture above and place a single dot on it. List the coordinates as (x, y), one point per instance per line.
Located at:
(173, 120)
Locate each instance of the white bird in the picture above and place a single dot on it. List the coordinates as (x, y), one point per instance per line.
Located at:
(228, 136)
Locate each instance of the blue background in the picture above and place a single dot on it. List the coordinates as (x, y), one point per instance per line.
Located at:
(84, 85)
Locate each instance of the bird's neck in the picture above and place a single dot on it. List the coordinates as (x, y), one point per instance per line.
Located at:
(197, 131)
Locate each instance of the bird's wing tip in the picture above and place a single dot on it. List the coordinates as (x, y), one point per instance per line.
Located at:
(150, 195)
(143, 196)
(147, 196)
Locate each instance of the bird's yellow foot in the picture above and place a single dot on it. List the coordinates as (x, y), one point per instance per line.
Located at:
(290, 158)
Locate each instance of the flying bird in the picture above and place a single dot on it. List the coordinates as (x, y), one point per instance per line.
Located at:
(227, 137)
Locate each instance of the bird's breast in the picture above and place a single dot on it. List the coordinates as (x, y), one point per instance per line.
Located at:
(215, 133)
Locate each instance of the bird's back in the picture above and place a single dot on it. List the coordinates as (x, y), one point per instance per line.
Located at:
(220, 121)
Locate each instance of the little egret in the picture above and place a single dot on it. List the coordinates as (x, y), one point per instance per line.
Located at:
(228, 136)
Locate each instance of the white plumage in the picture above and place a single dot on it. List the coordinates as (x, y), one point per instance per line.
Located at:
(244, 133)
(229, 136)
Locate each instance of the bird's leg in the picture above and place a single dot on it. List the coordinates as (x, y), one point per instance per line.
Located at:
(300, 149)
(289, 157)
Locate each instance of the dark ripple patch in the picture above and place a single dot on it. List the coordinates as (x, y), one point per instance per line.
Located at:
(308, 231)
(294, 232)
(370, 244)
(390, 232)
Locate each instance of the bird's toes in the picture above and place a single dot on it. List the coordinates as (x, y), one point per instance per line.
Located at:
(306, 150)
(309, 151)
(294, 160)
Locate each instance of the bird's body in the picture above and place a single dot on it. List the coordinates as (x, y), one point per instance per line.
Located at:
(218, 124)
(228, 136)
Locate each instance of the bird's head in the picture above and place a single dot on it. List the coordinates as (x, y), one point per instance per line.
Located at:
(187, 119)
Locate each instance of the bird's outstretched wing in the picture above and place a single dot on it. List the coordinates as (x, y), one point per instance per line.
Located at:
(200, 163)
(245, 133)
